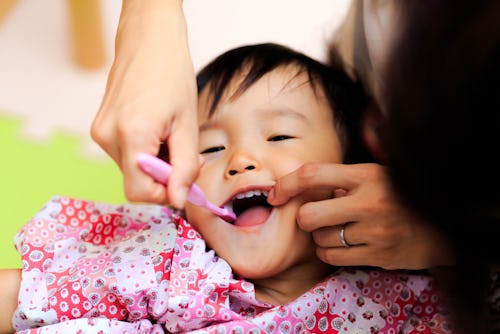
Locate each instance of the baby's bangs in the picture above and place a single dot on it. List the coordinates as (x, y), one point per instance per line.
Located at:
(252, 61)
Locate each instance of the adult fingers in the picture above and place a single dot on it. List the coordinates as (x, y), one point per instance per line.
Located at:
(342, 256)
(311, 176)
(335, 211)
(361, 255)
(330, 237)
(184, 157)
(139, 186)
(103, 134)
(365, 255)
(424, 250)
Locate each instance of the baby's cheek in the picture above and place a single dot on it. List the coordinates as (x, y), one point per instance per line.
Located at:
(192, 213)
(199, 218)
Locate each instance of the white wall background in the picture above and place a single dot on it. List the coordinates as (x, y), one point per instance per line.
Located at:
(40, 83)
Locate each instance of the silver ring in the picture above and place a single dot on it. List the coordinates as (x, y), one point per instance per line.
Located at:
(342, 237)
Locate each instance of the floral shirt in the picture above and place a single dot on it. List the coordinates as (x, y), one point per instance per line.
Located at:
(92, 267)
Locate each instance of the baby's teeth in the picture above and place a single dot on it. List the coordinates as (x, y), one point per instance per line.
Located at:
(251, 193)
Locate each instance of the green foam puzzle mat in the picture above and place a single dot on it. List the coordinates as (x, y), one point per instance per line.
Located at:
(31, 173)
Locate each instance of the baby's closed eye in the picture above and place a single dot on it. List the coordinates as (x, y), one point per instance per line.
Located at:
(213, 149)
(280, 137)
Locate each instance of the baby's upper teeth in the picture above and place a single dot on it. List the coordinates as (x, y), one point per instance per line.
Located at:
(252, 193)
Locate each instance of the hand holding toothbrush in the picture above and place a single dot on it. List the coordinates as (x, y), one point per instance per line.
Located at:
(160, 171)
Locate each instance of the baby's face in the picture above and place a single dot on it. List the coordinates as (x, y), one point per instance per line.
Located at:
(270, 130)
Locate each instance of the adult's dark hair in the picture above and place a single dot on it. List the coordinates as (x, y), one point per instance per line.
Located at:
(345, 97)
(443, 103)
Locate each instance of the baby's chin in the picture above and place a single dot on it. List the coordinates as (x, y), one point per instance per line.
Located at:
(255, 268)
(266, 266)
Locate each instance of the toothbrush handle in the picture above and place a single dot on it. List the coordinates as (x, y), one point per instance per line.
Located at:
(160, 171)
(155, 167)
(197, 197)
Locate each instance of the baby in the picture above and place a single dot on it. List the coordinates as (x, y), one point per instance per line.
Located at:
(264, 111)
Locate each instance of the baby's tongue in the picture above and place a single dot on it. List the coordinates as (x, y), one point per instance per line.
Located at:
(254, 216)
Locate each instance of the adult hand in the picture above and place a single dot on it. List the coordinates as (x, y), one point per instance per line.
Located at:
(151, 98)
(379, 229)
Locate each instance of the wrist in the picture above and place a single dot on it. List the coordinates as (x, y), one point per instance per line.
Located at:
(155, 21)
(145, 6)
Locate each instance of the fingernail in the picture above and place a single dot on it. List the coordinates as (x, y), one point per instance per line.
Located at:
(270, 195)
(181, 197)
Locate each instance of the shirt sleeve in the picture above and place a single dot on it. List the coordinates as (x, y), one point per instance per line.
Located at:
(83, 259)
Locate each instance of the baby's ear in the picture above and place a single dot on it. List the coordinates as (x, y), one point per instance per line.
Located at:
(372, 126)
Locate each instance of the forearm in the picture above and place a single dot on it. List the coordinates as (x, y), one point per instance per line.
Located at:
(151, 98)
(150, 24)
(10, 281)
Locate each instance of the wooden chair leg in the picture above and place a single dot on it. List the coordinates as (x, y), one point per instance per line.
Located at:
(87, 33)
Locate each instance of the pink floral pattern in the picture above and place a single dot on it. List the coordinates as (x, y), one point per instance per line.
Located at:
(91, 267)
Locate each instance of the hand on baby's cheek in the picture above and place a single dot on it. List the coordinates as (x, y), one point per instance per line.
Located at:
(311, 196)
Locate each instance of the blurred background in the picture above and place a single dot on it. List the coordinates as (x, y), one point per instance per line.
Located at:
(54, 60)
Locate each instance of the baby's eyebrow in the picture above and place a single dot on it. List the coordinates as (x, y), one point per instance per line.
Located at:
(266, 113)
(282, 112)
(209, 124)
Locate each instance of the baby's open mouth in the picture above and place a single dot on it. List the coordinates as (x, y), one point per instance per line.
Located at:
(251, 208)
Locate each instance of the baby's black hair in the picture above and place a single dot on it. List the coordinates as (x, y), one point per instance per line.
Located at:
(345, 97)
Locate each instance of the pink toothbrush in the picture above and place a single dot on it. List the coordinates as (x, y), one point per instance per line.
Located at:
(160, 171)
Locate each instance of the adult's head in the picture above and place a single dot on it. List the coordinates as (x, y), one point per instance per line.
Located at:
(442, 93)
